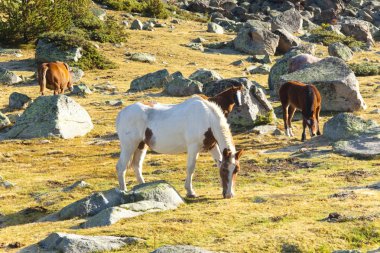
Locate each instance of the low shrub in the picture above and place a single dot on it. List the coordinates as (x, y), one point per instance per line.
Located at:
(91, 58)
(327, 37)
(365, 69)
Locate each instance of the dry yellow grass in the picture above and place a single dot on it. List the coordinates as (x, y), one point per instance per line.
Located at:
(296, 200)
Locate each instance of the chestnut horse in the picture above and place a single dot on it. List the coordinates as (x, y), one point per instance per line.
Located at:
(296, 95)
(55, 76)
(227, 99)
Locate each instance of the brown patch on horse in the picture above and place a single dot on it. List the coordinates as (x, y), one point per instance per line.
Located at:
(209, 140)
(148, 137)
(141, 145)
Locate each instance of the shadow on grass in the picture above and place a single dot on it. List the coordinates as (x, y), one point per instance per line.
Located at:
(19, 65)
(27, 215)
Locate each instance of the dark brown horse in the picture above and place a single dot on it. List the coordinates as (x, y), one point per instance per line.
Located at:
(227, 99)
(296, 95)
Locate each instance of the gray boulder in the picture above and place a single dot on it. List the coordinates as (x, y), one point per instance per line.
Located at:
(179, 86)
(363, 147)
(8, 77)
(49, 52)
(19, 101)
(108, 217)
(137, 25)
(99, 13)
(72, 243)
(341, 51)
(180, 249)
(348, 126)
(149, 81)
(143, 57)
(58, 116)
(254, 101)
(335, 81)
(81, 90)
(215, 28)
(281, 66)
(358, 29)
(290, 20)
(91, 205)
(256, 41)
(196, 46)
(287, 41)
(76, 74)
(258, 24)
(205, 76)
(4, 121)
(262, 69)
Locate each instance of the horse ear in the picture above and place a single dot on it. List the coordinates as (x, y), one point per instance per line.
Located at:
(227, 153)
(238, 154)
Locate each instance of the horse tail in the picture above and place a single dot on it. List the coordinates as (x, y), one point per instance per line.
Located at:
(310, 97)
(42, 77)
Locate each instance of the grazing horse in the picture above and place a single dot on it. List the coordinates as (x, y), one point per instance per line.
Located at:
(54, 76)
(296, 95)
(227, 99)
(191, 126)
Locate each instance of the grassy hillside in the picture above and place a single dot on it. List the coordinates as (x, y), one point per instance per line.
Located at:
(294, 192)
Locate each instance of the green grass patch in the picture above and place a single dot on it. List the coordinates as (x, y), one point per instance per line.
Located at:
(321, 34)
(365, 69)
(363, 235)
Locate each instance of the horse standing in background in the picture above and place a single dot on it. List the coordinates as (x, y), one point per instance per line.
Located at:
(296, 95)
(227, 99)
(55, 76)
(191, 126)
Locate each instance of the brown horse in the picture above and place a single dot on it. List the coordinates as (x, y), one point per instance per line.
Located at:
(296, 95)
(227, 99)
(55, 76)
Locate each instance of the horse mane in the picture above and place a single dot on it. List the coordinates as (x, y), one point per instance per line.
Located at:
(309, 101)
(224, 126)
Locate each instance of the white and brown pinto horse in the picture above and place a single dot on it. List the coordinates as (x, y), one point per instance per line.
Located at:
(192, 126)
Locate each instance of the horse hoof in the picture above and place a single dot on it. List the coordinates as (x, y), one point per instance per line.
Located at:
(191, 196)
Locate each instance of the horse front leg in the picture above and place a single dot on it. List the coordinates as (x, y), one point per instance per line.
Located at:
(291, 111)
(192, 155)
(304, 130)
(317, 116)
(285, 117)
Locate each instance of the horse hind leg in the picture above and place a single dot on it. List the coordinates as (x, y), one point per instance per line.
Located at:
(285, 117)
(123, 163)
(291, 111)
(137, 162)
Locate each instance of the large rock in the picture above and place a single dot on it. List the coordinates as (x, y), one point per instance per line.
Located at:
(254, 102)
(8, 77)
(364, 147)
(287, 41)
(301, 61)
(205, 76)
(256, 41)
(348, 126)
(143, 57)
(72, 243)
(215, 28)
(180, 249)
(4, 121)
(109, 216)
(92, 204)
(179, 86)
(137, 25)
(149, 81)
(58, 116)
(290, 20)
(258, 24)
(281, 66)
(19, 101)
(341, 51)
(49, 52)
(335, 81)
(358, 29)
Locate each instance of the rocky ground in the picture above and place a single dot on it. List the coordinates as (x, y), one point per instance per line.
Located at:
(290, 197)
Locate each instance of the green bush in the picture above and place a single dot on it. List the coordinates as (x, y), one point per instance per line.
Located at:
(327, 37)
(122, 5)
(155, 8)
(365, 69)
(265, 119)
(90, 59)
(22, 21)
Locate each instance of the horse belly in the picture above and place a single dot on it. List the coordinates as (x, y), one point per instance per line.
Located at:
(168, 143)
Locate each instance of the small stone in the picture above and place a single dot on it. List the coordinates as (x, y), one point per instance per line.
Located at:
(196, 46)
(215, 28)
(143, 57)
(78, 184)
(81, 90)
(263, 69)
(137, 25)
(117, 102)
(19, 101)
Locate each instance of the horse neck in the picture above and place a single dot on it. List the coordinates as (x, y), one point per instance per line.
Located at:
(224, 99)
(222, 133)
